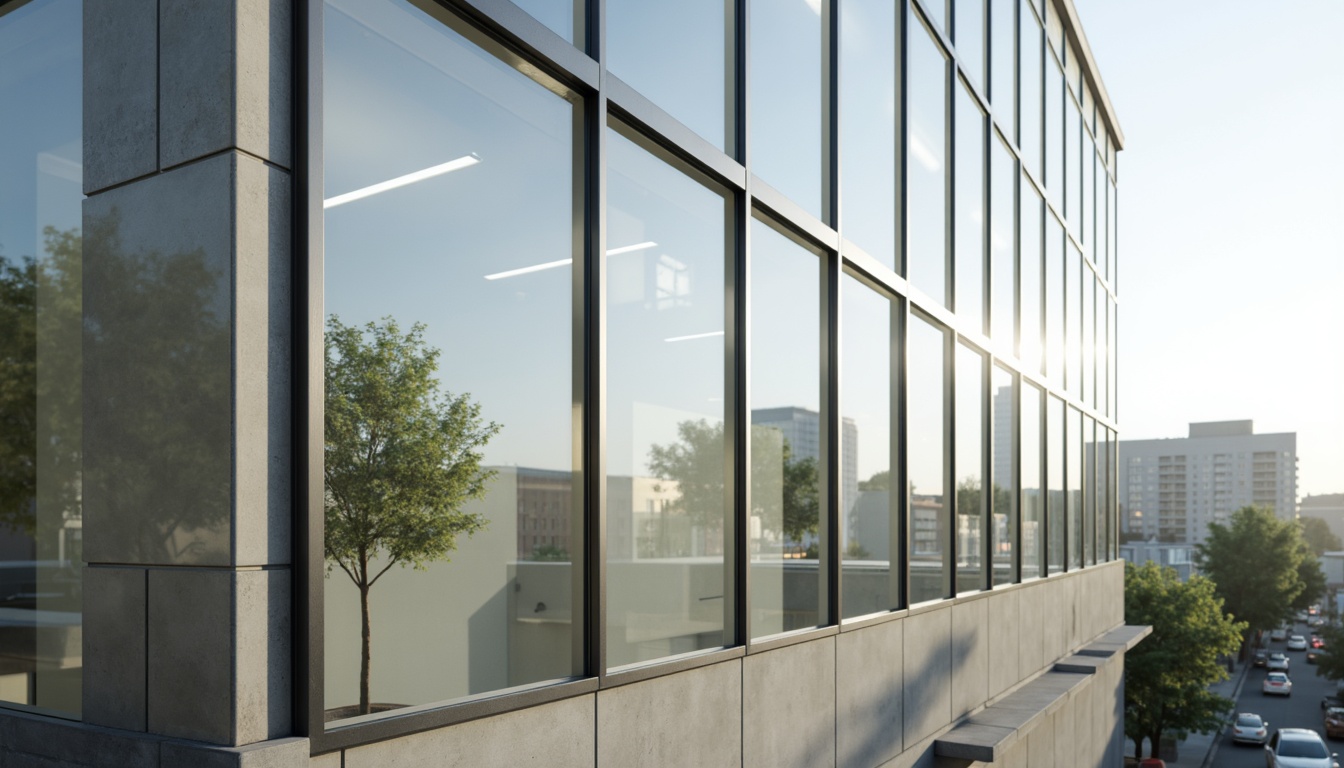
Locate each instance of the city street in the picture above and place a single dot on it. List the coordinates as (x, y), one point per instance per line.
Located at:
(1301, 710)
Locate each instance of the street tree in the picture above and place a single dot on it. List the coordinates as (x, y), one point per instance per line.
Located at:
(1312, 577)
(1316, 532)
(1330, 661)
(402, 460)
(1256, 562)
(1167, 676)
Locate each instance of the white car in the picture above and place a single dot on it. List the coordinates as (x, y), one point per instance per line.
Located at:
(1278, 662)
(1297, 643)
(1298, 748)
(1277, 683)
(1250, 728)
(1279, 633)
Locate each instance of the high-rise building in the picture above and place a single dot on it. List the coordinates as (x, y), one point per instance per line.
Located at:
(557, 382)
(1172, 488)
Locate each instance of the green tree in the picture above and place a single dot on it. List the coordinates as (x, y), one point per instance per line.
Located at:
(1316, 532)
(1330, 662)
(1256, 563)
(1312, 577)
(783, 488)
(880, 481)
(1167, 676)
(402, 458)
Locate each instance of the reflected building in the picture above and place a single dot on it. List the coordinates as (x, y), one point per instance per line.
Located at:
(1173, 488)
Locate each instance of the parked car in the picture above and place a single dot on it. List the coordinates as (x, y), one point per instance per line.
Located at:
(1250, 728)
(1334, 722)
(1278, 662)
(1298, 748)
(1313, 655)
(1297, 643)
(1316, 622)
(1279, 634)
(1317, 641)
(1278, 684)
(1261, 656)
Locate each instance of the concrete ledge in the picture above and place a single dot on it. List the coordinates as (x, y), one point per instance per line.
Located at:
(987, 735)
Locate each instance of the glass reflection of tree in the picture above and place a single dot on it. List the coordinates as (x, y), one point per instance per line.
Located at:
(401, 460)
(783, 488)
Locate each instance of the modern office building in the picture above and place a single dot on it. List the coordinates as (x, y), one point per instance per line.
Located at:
(384, 382)
(1172, 488)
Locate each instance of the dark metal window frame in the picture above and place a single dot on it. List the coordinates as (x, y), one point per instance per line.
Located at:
(605, 96)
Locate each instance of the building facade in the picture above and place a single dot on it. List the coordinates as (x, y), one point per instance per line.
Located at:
(476, 382)
(1173, 488)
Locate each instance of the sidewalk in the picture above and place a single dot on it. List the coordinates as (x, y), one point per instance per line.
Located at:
(1198, 749)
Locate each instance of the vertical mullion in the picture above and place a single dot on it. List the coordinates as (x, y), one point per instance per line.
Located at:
(594, 303)
(737, 432)
(832, 443)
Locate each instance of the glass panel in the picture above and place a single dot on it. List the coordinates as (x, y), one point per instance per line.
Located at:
(786, 98)
(41, 360)
(926, 418)
(1033, 487)
(970, 197)
(1112, 510)
(1054, 298)
(1003, 64)
(1054, 470)
(1002, 459)
(1111, 224)
(1030, 84)
(970, 39)
(926, 201)
(786, 444)
(1054, 27)
(1002, 246)
(1090, 508)
(1074, 474)
(1031, 342)
(968, 468)
(441, 452)
(680, 56)
(1089, 337)
(866, 452)
(868, 128)
(667, 478)
(1054, 133)
(1073, 313)
(1072, 159)
(561, 16)
(937, 10)
(1087, 232)
(1113, 410)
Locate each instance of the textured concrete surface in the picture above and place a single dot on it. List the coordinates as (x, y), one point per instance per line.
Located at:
(114, 647)
(789, 712)
(1005, 635)
(121, 96)
(870, 680)
(970, 669)
(634, 727)
(191, 651)
(930, 652)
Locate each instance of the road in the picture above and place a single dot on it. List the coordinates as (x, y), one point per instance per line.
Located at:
(1301, 710)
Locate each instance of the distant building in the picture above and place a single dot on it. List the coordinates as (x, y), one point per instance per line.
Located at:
(1172, 488)
(1328, 507)
(1178, 556)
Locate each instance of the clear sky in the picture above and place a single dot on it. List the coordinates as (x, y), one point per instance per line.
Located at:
(1231, 272)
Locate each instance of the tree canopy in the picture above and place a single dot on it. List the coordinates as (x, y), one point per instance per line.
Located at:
(1316, 532)
(1167, 676)
(1257, 563)
(402, 458)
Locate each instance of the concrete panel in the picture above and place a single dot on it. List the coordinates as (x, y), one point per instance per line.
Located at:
(559, 734)
(1071, 595)
(789, 710)
(930, 653)
(1056, 614)
(1065, 744)
(192, 654)
(158, 406)
(869, 694)
(634, 726)
(1005, 641)
(281, 753)
(970, 666)
(1041, 745)
(121, 91)
(114, 647)
(1015, 756)
(329, 760)
(262, 679)
(225, 74)
(1031, 628)
(261, 352)
(33, 740)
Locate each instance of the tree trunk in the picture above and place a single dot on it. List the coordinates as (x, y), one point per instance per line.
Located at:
(1155, 738)
(1138, 747)
(364, 705)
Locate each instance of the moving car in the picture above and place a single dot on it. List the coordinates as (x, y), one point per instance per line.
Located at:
(1250, 728)
(1334, 722)
(1298, 748)
(1278, 662)
(1261, 656)
(1317, 641)
(1297, 643)
(1279, 633)
(1313, 655)
(1277, 683)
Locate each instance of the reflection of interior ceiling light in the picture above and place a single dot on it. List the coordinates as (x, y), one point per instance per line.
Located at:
(401, 181)
(567, 262)
(695, 336)
(923, 154)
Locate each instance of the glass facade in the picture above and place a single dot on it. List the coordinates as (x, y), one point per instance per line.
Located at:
(41, 363)
(619, 374)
